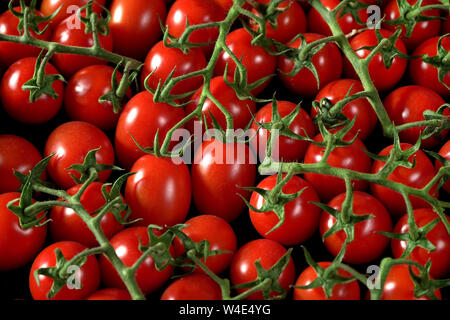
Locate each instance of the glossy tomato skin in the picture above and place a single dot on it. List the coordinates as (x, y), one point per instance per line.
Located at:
(89, 273)
(444, 152)
(160, 191)
(328, 63)
(135, 25)
(438, 236)
(142, 118)
(301, 215)
(288, 149)
(193, 287)
(218, 233)
(425, 74)
(70, 143)
(416, 177)
(18, 246)
(19, 154)
(347, 291)
(126, 243)
(268, 253)
(350, 157)
(110, 294)
(407, 104)
(17, 101)
(216, 172)
(368, 244)
(68, 8)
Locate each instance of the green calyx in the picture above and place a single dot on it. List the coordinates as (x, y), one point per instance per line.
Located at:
(441, 61)
(28, 19)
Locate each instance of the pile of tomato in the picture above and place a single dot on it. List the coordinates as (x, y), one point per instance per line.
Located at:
(204, 195)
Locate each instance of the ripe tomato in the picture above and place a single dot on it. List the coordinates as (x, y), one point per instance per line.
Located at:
(301, 215)
(328, 63)
(68, 7)
(16, 153)
(193, 287)
(110, 294)
(347, 291)
(127, 243)
(18, 246)
(205, 228)
(445, 152)
(160, 191)
(88, 276)
(17, 101)
(267, 252)
(142, 118)
(425, 74)
(368, 244)
(217, 171)
(350, 157)
(70, 143)
(135, 25)
(361, 109)
(227, 4)
(416, 177)
(438, 236)
(407, 104)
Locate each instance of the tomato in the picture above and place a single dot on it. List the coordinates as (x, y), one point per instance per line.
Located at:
(160, 191)
(142, 118)
(446, 25)
(416, 177)
(127, 243)
(162, 60)
(88, 276)
(10, 52)
(438, 236)
(422, 30)
(361, 109)
(328, 63)
(196, 12)
(407, 105)
(444, 152)
(18, 246)
(345, 291)
(70, 143)
(110, 294)
(258, 62)
(68, 7)
(17, 101)
(268, 253)
(368, 244)
(351, 157)
(135, 25)
(425, 74)
(227, 4)
(19, 154)
(193, 287)
(383, 78)
(217, 171)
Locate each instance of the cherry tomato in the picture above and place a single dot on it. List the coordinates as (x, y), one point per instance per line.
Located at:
(346, 291)
(17, 101)
(227, 4)
(68, 8)
(88, 275)
(268, 253)
(328, 64)
(445, 152)
(70, 143)
(110, 294)
(193, 287)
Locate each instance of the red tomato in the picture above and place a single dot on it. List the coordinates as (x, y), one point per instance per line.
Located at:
(328, 63)
(425, 74)
(126, 243)
(135, 25)
(68, 7)
(70, 143)
(361, 109)
(445, 152)
(407, 104)
(193, 287)
(160, 191)
(110, 294)
(16, 153)
(268, 253)
(17, 101)
(217, 171)
(227, 4)
(438, 236)
(88, 275)
(350, 157)
(18, 246)
(142, 118)
(416, 177)
(347, 291)
(446, 25)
